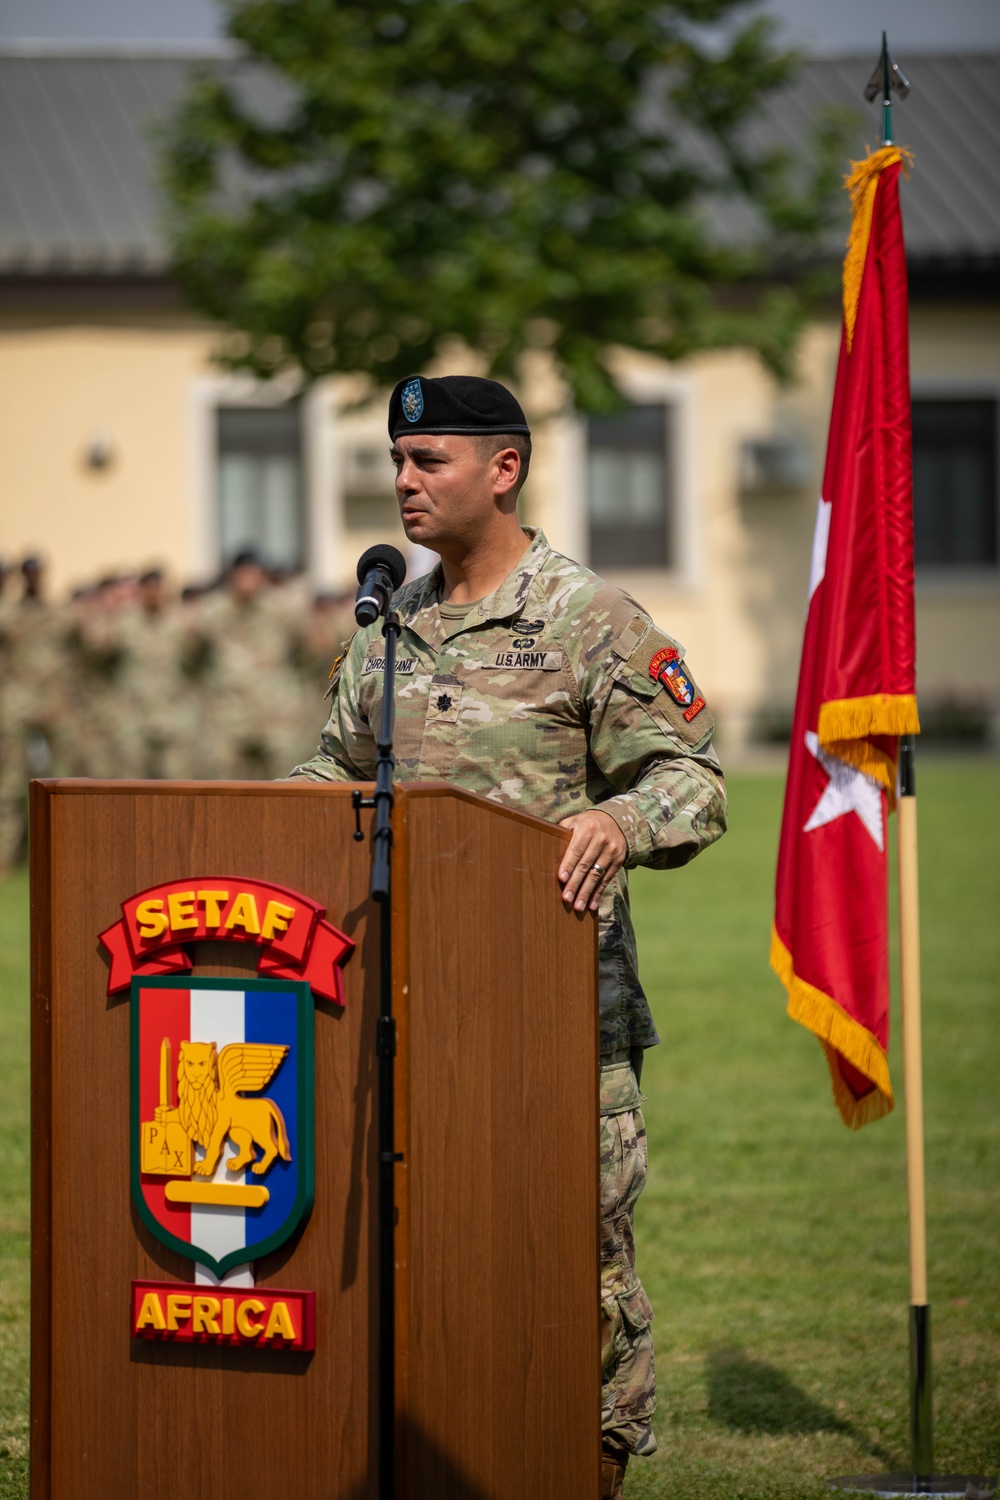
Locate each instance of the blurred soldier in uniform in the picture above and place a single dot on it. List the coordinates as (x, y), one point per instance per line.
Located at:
(157, 696)
(320, 637)
(524, 677)
(106, 734)
(32, 706)
(83, 604)
(327, 628)
(250, 693)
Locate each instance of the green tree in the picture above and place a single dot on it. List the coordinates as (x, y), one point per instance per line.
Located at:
(376, 175)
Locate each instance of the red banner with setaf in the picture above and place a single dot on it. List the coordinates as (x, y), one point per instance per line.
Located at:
(295, 940)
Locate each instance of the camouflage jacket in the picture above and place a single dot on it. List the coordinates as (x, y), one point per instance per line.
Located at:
(541, 698)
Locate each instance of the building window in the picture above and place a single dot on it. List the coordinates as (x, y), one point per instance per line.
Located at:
(369, 486)
(628, 483)
(955, 483)
(260, 483)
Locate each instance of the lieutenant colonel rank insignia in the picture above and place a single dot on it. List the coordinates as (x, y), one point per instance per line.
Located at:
(412, 398)
(667, 669)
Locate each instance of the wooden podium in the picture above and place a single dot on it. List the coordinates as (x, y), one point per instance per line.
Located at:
(497, 1322)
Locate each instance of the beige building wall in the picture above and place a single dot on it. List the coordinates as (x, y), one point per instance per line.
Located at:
(738, 602)
(735, 597)
(65, 390)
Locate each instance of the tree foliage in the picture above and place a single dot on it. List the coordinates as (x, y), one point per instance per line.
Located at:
(377, 175)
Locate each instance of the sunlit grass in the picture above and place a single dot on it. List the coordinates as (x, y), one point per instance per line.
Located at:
(773, 1241)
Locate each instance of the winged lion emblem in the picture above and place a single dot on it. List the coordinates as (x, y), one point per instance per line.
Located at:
(212, 1104)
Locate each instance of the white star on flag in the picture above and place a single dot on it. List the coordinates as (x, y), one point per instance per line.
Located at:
(848, 790)
(821, 540)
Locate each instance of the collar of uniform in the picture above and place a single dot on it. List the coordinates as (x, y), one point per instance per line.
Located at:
(424, 593)
(421, 615)
(509, 598)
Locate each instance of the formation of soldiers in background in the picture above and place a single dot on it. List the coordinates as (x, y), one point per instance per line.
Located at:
(133, 678)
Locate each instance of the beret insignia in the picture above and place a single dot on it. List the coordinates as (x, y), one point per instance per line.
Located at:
(412, 400)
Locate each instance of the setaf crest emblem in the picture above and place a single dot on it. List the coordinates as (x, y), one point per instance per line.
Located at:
(222, 1114)
(667, 668)
(412, 398)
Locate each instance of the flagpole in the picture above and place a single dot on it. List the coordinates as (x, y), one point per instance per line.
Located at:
(921, 1391)
(922, 1480)
(921, 1401)
(886, 94)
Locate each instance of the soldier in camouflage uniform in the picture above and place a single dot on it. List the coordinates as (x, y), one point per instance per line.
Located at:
(157, 719)
(248, 680)
(106, 728)
(526, 678)
(321, 635)
(32, 699)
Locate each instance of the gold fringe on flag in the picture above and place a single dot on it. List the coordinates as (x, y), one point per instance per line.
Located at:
(861, 182)
(844, 723)
(840, 1035)
(880, 713)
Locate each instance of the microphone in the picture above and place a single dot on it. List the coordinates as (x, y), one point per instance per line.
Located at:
(381, 571)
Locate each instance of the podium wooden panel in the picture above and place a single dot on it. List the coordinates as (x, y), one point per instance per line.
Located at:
(496, 1115)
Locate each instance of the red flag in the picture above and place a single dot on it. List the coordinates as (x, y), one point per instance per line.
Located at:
(830, 945)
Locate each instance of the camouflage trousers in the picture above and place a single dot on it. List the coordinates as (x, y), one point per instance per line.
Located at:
(628, 1377)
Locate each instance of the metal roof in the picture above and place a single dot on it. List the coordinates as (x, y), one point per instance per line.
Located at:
(79, 195)
(951, 204)
(77, 161)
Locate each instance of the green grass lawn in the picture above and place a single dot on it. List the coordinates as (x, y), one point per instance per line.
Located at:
(772, 1240)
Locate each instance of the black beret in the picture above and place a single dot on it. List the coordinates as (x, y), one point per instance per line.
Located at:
(453, 403)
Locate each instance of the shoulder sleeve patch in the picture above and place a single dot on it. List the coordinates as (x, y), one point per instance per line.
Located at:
(657, 672)
(338, 666)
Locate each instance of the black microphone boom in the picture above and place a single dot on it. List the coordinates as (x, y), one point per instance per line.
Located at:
(381, 571)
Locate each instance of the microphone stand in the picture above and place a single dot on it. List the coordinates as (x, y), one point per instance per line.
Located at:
(385, 1046)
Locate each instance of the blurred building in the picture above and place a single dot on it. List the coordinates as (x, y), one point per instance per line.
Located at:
(121, 444)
